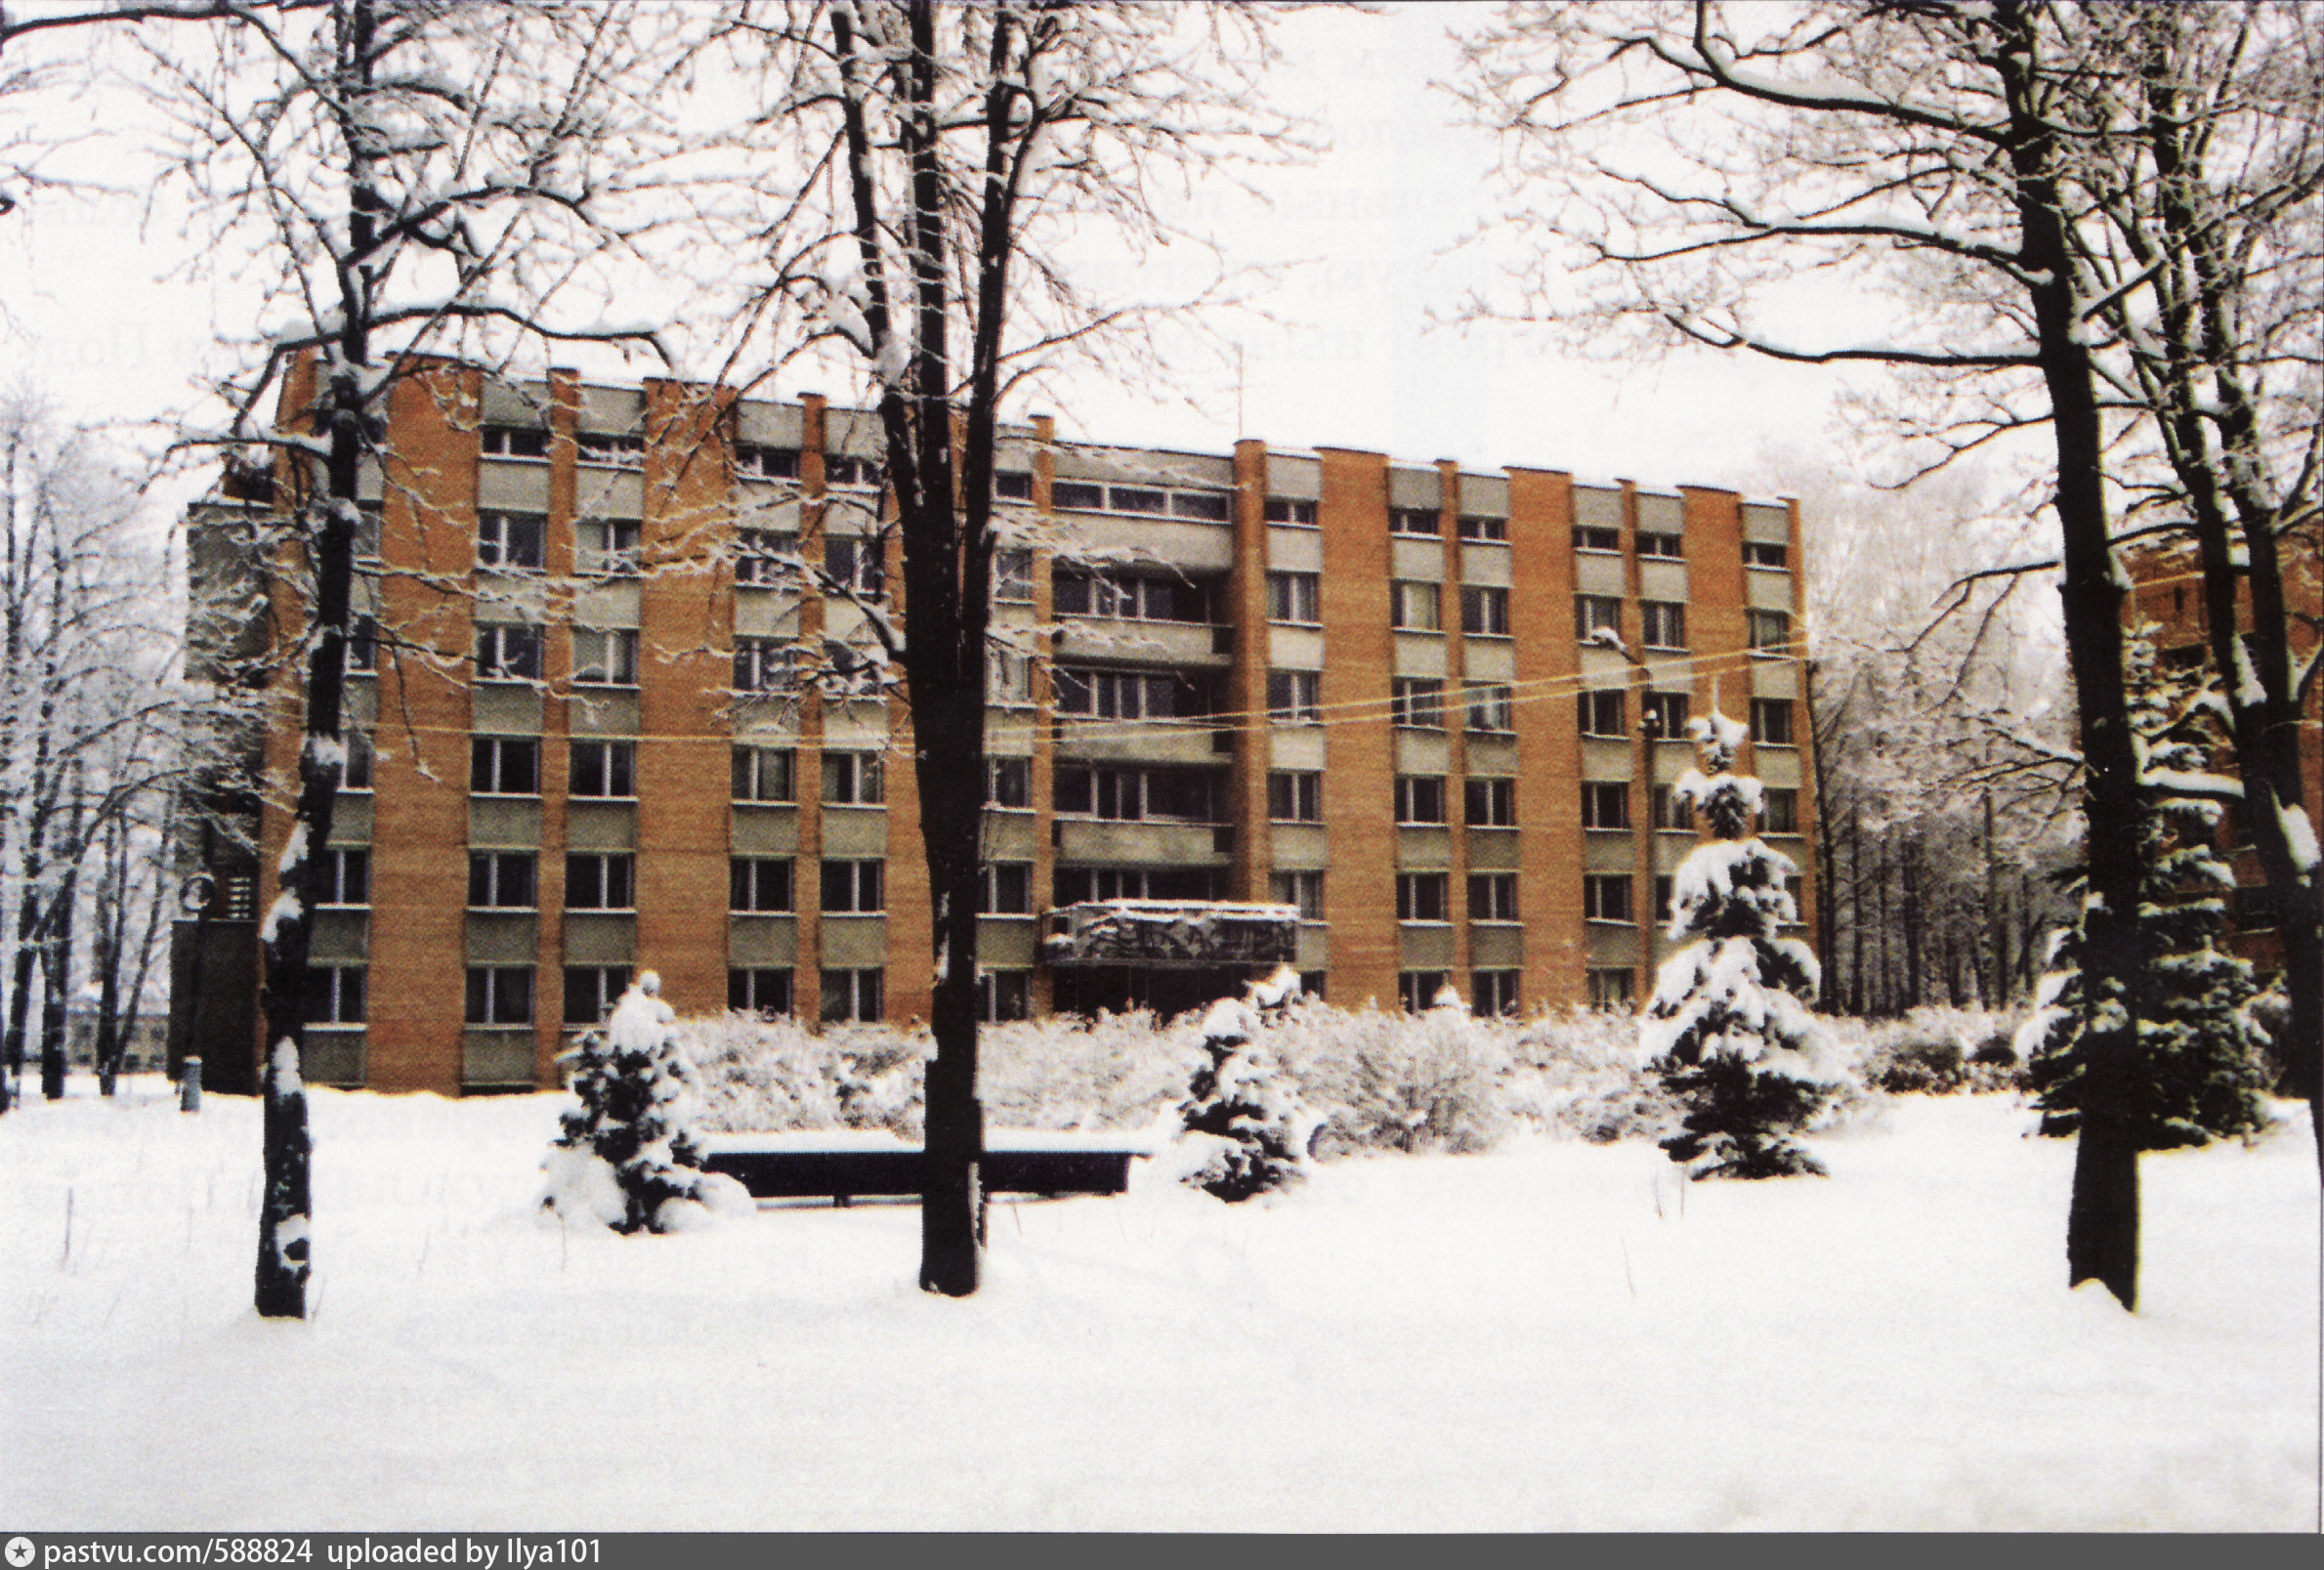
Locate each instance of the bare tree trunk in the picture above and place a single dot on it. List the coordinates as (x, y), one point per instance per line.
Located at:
(57, 960)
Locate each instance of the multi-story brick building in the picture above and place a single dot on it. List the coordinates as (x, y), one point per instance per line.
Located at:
(1365, 689)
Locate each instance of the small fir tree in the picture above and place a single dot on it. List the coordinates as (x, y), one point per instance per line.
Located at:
(2201, 1072)
(628, 1157)
(1728, 1028)
(1236, 1115)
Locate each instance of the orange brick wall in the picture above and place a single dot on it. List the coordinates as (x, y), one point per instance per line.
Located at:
(1359, 788)
(1548, 740)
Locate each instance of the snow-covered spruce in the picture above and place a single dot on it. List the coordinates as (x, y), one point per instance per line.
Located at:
(628, 1157)
(1237, 1117)
(2201, 1072)
(1728, 1028)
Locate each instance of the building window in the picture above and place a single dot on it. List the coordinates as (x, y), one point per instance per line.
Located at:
(1303, 889)
(1003, 996)
(765, 463)
(346, 876)
(1666, 716)
(1613, 989)
(1127, 597)
(764, 774)
(1006, 889)
(592, 991)
(1588, 539)
(759, 885)
(762, 990)
(1077, 885)
(507, 653)
(853, 995)
(504, 766)
(1075, 495)
(1665, 891)
(1416, 703)
(1605, 805)
(1771, 721)
(853, 888)
(596, 881)
(500, 994)
(765, 557)
(1765, 553)
(1295, 696)
(1203, 506)
(1130, 794)
(1782, 810)
(370, 526)
(606, 548)
(1417, 989)
(1661, 623)
(1601, 712)
(1606, 896)
(334, 995)
(1670, 810)
(1491, 803)
(501, 880)
(610, 450)
(1012, 576)
(1423, 521)
(764, 665)
(1286, 510)
(1672, 547)
(1128, 695)
(1295, 597)
(1493, 896)
(510, 541)
(1012, 484)
(853, 780)
(1492, 709)
(856, 565)
(1483, 527)
(514, 442)
(1415, 606)
(1294, 797)
(1492, 992)
(1423, 896)
(1008, 783)
(1594, 614)
(603, 769)
(604, 657)
(357, 774)
(1485, 611)
(362, 644)
(846, 471)
(1419, 798)
(1770, 631)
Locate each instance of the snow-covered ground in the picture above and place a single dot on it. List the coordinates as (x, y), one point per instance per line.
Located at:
(1553, 1335)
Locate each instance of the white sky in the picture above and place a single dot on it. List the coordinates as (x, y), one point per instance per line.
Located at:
(1353, 359)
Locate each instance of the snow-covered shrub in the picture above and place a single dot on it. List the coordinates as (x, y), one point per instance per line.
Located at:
(1577, 1075)
(628, 1156)
(2201, 1068)
(1935, 1051)
(1238, 1114)
(1728, 1028)
(1394, 1081)
(1114, 1071)
(773, 1074)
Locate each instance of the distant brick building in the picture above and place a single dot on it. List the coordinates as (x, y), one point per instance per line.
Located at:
(1364, 689)
(2168, 591)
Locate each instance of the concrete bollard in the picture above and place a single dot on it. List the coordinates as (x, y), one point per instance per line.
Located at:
(190, 1087)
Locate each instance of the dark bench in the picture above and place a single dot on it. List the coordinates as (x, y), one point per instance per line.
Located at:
(841, 1175)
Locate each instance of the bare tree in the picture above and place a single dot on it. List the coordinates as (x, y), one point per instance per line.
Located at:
(420, 178)
(932, 170)
(2209, 247)
(1703, 159)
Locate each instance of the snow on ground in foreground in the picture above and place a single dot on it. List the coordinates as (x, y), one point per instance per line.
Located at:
(1543, 1337)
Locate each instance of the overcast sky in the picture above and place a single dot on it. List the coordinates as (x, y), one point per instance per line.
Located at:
(1353, 360)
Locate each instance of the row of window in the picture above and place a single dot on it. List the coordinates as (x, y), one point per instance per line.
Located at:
(1603, 713)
